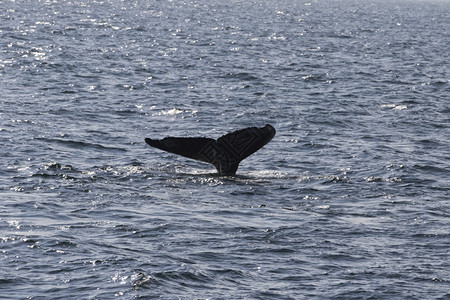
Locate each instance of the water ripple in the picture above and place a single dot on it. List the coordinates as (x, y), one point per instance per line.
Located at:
(349, 200)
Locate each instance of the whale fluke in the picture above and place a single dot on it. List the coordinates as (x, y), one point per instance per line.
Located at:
(225, 153)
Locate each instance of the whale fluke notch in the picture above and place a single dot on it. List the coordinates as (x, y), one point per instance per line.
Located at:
(225, 153)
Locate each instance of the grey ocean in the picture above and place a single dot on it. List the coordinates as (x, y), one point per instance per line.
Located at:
(350, 200)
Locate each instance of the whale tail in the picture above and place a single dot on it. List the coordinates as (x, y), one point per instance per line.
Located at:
(225, 153)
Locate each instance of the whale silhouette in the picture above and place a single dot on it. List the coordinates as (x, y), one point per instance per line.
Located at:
(225, 153)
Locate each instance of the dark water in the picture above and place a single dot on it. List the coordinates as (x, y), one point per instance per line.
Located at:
(349, 201)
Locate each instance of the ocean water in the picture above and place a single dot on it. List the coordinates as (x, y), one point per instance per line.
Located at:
(350, 200)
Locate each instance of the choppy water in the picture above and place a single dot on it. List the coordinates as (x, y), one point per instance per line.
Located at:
(350, 200)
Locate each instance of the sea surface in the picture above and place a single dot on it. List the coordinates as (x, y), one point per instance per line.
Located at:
(350, 200)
